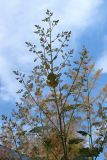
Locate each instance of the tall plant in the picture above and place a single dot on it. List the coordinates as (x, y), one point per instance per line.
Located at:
(57, 115)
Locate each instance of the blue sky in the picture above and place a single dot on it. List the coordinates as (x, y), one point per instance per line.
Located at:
(87, 19)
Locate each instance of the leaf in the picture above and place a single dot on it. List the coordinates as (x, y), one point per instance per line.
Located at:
(76, 62)
(70, 107)
(36, 129)
(20, 81)
(83, 133)
(50, 100)
(98, 124)
(48, 143)
(20, 91)
(16, 73)
(100, 105)
(54, 58)
(52, 80)
(38, 158)
(47, 66)
(96, 151)
(85, 152)
(75, 140)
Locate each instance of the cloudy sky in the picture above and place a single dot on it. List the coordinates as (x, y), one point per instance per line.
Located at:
(87, 19)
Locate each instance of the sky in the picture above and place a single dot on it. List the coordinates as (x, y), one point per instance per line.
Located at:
(87, 19)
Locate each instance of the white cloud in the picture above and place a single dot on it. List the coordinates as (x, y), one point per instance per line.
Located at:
(102, 63)
(17, 18)
(102, 60)
(80, 13)
(7, 87)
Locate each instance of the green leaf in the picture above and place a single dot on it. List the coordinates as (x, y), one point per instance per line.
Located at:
(85, 152)
(50, 100)
(83, 133)
(20, 81)
(16, 73)
(97, 123)
(75, 140)
(20, 91)
(70, 107)
(54, 58)
(96, 151)
(38, 158)
(100, 105)
(36, 129)
(47, 143)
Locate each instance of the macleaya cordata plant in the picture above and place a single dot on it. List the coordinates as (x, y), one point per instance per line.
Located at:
(58, 116)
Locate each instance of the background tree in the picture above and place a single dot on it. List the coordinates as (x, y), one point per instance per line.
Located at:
(58, 116)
